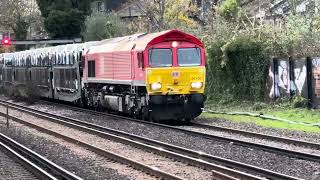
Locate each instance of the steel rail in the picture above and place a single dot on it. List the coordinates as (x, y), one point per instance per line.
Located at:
(37, 164)
(118, 158)
(183, 158)
(28, 165)
(161, 148)
(278, 150)
(260, 135)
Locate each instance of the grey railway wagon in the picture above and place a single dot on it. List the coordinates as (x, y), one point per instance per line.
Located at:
(54, 71)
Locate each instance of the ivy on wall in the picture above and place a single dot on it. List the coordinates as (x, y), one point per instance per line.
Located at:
(237, 70)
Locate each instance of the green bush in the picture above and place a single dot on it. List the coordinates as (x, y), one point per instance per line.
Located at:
(70, 23)
(238, 68)
(299, 102)
(258, 106)
(229, 9)
(290, 102)
(102, 25)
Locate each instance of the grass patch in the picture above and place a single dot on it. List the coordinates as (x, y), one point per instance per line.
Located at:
(262, 122)
(283, 109)
(297, 115)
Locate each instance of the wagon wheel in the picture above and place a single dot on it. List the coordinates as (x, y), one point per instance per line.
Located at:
(99, 106)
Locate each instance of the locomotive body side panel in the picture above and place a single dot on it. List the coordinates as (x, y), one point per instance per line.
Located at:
(108, 66)
(122, 65)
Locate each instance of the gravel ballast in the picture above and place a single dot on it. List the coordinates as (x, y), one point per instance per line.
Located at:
(142, 156)
(279, 163)
(73, 158)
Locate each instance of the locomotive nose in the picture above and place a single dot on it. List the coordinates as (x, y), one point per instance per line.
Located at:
(177, 80)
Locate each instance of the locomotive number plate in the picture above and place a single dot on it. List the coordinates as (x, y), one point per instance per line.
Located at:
(175, 74)
(196, 78)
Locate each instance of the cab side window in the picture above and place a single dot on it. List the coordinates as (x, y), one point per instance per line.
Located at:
(91, 68)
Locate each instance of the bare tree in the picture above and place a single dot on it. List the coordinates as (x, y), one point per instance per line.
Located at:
(163, 14)
(154, 11)
(17, 14)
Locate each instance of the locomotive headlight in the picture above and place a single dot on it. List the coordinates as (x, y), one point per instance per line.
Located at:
(174, 44)
(196, 85)
(155, 86)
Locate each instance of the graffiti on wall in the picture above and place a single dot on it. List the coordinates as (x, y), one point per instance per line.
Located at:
(274, 91)
(291, 79)
(284, 77)
(300, 76)
(281, 82)
(316, 62)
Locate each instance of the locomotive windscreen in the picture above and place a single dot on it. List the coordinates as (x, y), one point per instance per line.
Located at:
(189, 57)
(160, 57)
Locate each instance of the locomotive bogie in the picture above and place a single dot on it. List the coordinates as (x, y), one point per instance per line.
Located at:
(115, 97)
(176, 106)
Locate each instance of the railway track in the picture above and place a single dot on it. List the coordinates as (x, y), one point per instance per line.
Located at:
(273, 149)
(199, 159)
(38, 166)
(218, 171)
(295, 142)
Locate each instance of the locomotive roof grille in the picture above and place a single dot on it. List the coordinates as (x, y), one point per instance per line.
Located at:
(139, 41)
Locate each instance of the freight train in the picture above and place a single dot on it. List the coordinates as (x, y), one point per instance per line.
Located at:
(153, 76)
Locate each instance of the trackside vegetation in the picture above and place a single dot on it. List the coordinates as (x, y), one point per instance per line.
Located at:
(240, 50)
(286, 109)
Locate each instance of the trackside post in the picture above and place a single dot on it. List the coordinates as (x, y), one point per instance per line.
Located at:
(7, 114)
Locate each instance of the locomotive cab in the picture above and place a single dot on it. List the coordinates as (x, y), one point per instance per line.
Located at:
(175, 78)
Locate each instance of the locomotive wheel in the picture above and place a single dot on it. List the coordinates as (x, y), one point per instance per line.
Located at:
(145, 114)
(152, 119)
(188, 120)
